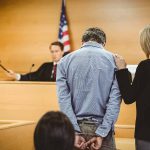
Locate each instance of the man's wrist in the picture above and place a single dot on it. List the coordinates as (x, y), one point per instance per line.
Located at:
(77, 133)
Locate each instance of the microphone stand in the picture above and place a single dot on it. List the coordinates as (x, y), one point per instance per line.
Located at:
(31, 68)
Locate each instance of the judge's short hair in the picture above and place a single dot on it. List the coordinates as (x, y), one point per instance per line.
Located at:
(58, 44)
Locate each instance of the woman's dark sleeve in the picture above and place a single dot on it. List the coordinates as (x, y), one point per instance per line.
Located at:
(129, 90)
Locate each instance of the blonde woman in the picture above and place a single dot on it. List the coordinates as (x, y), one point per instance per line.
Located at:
(138, 91)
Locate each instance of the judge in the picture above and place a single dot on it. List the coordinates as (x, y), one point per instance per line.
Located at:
(47, 71)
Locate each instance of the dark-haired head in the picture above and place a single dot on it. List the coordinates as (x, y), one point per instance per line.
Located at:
(57, 43)
(94, 34)
(54, 131)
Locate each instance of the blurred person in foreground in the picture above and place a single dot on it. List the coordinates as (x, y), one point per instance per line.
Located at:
(54, 131)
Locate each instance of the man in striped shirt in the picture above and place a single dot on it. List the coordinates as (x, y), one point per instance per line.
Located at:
(88, 92)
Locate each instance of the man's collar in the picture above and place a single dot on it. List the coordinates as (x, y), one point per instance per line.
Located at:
(92, 43)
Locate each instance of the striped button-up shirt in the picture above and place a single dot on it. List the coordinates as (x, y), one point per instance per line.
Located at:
(87, 87)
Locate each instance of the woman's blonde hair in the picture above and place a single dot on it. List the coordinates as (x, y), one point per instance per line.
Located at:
(145, 40)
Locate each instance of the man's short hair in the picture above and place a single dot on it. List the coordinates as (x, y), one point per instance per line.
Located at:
(58, 44)
(94, 34)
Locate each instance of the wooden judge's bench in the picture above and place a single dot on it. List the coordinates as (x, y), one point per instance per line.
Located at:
(23, 103)
(26, 100)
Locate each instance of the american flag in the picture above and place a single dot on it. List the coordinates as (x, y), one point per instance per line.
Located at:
(63, 29)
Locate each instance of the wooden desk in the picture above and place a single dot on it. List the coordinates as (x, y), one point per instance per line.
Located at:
(30, 100)
(26, 100)
(16, 135)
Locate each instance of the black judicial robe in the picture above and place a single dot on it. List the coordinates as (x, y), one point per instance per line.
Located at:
(44, 73)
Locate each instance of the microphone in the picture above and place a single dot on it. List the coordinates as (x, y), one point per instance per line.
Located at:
(31, 68)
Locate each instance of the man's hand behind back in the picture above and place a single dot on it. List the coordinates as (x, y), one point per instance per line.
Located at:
(80, 142)
(94, 143)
